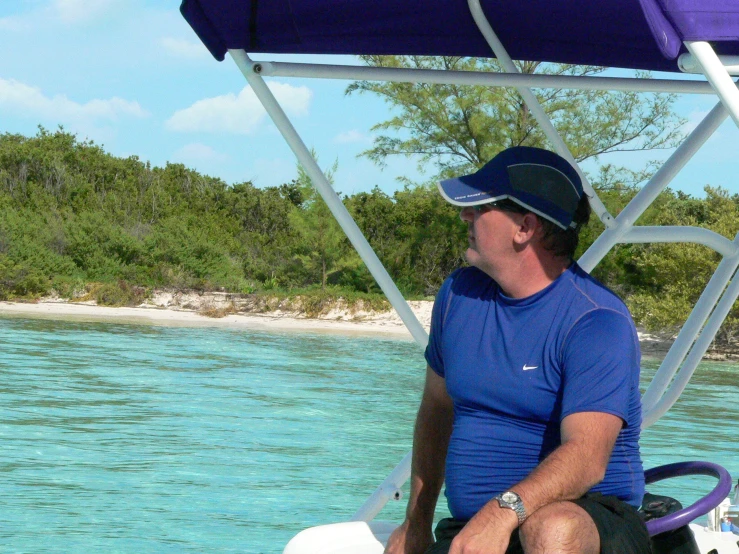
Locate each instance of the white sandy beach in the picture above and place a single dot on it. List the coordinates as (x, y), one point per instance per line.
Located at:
(387, 323)
(166, 309)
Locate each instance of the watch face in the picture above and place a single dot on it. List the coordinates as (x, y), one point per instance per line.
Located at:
(510, 497)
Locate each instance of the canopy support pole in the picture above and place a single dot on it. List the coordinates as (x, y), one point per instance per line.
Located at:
(675, 233)
(402, 472)
(328, 194)
(688, 333)
(699, 349)
(717, 75)
(474, 78)
(388, 490)
(537, 111)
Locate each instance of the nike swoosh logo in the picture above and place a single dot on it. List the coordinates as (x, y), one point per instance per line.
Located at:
(527, 367)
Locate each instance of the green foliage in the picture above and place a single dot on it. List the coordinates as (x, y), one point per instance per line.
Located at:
(323, 244)
(119, 294)
(72, 215)
(20, 279)
(68, 287)
(70, 212)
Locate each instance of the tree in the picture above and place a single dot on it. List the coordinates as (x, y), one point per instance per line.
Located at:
(459, 128)
(415, 233)
(322, 240)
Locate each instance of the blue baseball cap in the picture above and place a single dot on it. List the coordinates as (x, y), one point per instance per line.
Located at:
(537, 179)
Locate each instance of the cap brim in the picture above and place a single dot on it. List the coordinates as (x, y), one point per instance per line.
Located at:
(460, 192)
(466, 195)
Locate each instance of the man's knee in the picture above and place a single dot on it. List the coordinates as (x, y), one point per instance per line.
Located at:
(561, 528)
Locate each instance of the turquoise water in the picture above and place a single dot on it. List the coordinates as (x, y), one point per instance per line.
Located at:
(125, 438)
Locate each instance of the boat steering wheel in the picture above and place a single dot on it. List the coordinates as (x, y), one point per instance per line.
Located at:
(703, 506)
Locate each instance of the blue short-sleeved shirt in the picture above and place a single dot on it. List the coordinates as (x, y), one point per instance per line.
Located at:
(515, 368)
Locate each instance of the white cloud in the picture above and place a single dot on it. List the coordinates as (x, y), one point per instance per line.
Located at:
(351, 136)
(240, 114)
(29, 101)
(186, 49)
(197, 152)
(74, 11)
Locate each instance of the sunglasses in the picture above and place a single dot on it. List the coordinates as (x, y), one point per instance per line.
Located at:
(504, 205)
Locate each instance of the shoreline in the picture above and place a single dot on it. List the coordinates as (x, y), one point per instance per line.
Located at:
(383, 324)
(369, 324)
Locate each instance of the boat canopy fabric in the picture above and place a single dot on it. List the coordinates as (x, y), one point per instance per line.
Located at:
(638, 34)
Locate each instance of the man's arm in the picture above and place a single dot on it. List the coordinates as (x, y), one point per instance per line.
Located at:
(430, 441)
(577, 465)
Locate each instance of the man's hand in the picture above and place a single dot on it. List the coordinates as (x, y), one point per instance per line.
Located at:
(409, 539)
(489, 532)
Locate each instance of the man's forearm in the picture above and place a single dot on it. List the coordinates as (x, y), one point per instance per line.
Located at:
(430, 441)
(565, 474)
(575, 466)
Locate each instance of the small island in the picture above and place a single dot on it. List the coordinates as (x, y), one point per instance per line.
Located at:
(83, 232)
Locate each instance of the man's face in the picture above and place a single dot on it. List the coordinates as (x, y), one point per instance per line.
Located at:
(490, 233)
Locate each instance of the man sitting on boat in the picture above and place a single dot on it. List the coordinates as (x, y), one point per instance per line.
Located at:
(531, 407)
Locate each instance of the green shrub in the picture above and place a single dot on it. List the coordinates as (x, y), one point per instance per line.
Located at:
(68, 287)
(20, 280)
(119, 294)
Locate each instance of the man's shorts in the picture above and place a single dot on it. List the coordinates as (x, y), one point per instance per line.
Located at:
(619, 525)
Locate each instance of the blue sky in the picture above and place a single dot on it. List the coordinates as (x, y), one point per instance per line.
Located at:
(132, 76)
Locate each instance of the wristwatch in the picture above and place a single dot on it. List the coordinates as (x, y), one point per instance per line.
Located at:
(512, 501)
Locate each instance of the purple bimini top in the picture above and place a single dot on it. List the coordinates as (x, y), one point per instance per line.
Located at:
(637, 34)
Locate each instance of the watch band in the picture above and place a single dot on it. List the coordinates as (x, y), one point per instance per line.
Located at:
(512, 501)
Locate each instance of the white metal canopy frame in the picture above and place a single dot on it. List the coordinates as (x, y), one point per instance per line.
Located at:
(720, 293)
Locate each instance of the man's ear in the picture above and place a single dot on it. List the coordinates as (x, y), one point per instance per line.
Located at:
(527, 228)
